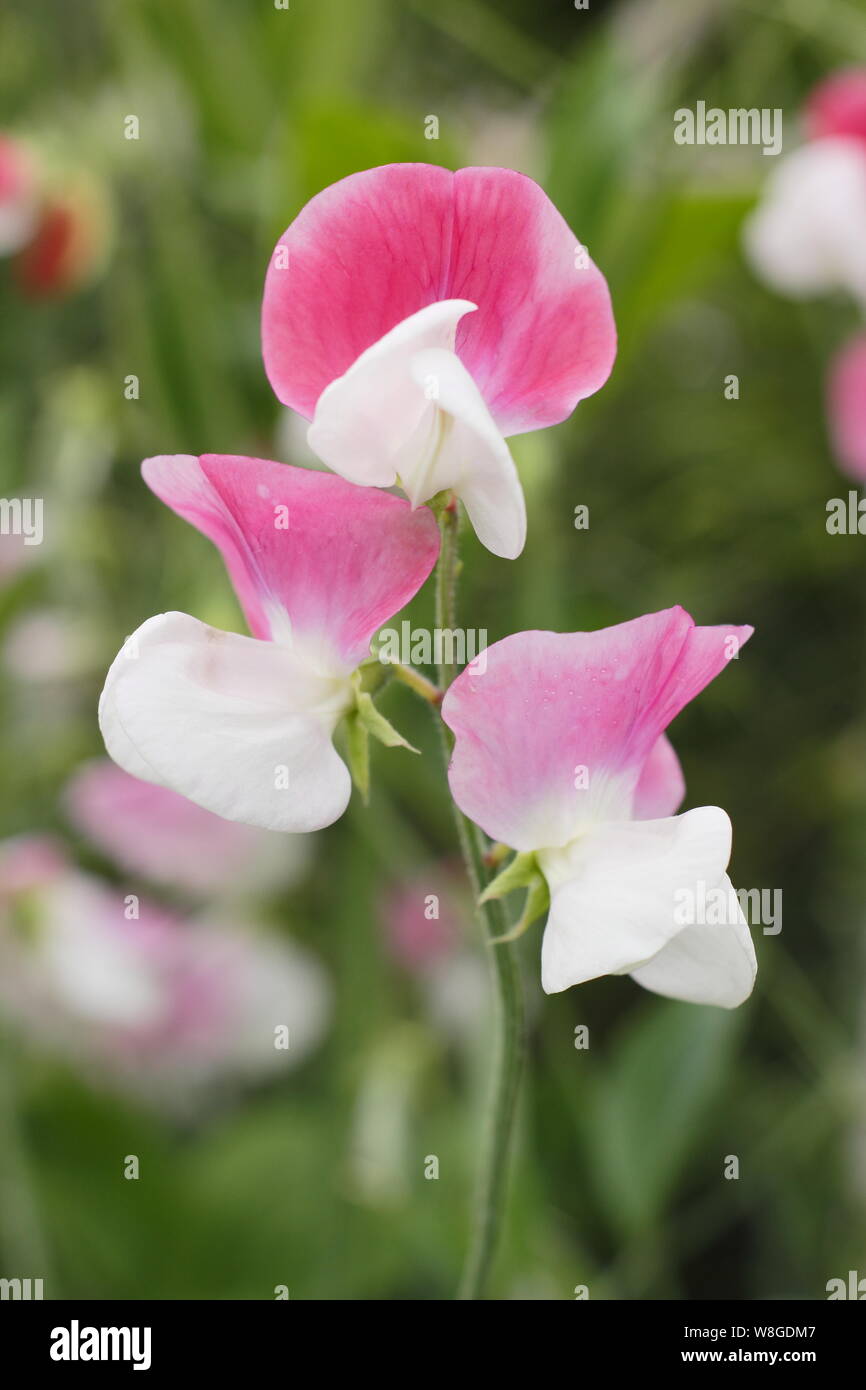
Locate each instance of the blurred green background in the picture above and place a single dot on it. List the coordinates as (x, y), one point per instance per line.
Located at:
(245, 112)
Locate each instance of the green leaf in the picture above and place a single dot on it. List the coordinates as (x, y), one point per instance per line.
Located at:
(651, 1103)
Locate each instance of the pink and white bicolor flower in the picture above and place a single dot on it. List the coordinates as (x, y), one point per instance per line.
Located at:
(560, 753)
(837, 106)
(418, 316)
(18, 196)
(807, 235)
(170, 1009)
(240, 725)
(152, 831)
(846, 406)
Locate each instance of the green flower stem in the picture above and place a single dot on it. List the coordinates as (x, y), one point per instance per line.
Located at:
(491, 1188)
(417, 682)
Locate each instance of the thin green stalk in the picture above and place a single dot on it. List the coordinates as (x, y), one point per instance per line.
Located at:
(415, 681)
(491, 1190)
(25, 1250)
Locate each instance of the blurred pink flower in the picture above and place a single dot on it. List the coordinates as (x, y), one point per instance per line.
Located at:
(837, 106)
(243, 726)
(165, 1009)
(424, 919)
(417, 316)
(846, 406)
(155, 832)
(560, 754)
(807, 235)
(430, 932)
(18, 196)
(27, 862)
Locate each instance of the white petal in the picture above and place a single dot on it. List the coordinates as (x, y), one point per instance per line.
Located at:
(470, 456)
(365, 417)
(240, 727)
(617, 890)
(274, 982)
(806, 235)
(706, 963)
(94, 973)
(409, 410)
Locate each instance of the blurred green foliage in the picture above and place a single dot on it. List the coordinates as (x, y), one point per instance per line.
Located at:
(245, 112)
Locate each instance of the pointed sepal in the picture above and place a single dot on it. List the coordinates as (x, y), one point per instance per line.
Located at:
(375, 723)
(358, 754)
(519, 873)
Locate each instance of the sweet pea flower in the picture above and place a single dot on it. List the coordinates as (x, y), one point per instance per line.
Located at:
(153, 831)
(560, 753)
(418, 316)
(427, 920)
(421, 917)
(18, 198)
(159, 1007)
(240, 725)
(807, 235)
(846, 406)
(837, 106)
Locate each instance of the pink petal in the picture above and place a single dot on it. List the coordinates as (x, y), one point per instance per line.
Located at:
(422, 918)
(336, 560)
(29, 862)
(150, 830)
(846, 406)
(162, 1007)
(16, 175)
(18, 196)
(661, 786)
(557, 729)
(373, 249)
(837, 106)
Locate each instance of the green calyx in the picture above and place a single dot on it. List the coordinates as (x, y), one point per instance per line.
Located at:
(522, 872)
(364, 721)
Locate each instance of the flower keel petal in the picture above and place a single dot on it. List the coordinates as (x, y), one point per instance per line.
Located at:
(240, 727)
(616, 892)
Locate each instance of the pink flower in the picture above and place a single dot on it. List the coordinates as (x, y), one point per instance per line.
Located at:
(243, 726)
(422, 919)
(164, 1008)
(28, 862)
(417, 316)
(560, 754)
(428, 923)
(837, 106)
(18, 198)
(846, 406)
(807, 236)
(155, 832)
